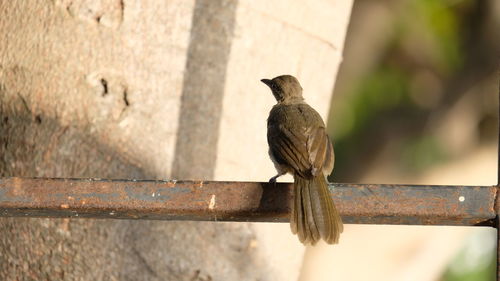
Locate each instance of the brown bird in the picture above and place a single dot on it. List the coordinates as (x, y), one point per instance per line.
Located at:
(299, 145)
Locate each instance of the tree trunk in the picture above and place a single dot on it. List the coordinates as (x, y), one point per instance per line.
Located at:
(156, 89)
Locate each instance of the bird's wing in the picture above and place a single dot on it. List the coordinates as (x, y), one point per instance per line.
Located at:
(320, 150)
(304, 146)
(329, 159)
(288, 146)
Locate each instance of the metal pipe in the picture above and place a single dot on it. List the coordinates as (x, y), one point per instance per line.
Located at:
(242, 201)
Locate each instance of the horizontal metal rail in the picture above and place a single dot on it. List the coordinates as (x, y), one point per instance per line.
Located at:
(242, 201)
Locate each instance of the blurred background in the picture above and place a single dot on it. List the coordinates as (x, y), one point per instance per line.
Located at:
(416, 102)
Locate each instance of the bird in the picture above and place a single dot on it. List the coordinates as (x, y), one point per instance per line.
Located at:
(299, 145)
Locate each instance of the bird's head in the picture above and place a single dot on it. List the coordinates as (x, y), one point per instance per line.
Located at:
(285, 88)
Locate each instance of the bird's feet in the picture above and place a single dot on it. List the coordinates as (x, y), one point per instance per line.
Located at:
(273, 179)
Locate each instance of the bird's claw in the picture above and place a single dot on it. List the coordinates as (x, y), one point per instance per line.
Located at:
(273, 180)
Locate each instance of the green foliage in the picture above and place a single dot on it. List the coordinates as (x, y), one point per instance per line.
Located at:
(391, 105)
(486, 273)
(476, 261)
(435, 23)
(380, 91)
(426, 37)
(420, 153)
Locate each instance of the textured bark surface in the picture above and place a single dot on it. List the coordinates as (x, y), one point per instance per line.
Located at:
(69, 249)
(135, 89)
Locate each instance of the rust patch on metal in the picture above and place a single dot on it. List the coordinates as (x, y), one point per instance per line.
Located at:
(242, 201)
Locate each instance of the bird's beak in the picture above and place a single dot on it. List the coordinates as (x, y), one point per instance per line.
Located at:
(267, 82)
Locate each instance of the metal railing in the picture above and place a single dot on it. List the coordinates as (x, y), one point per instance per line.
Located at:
(242, 201)
(245, 201)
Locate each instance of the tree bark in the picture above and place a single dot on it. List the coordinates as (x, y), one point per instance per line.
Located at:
(135, 89)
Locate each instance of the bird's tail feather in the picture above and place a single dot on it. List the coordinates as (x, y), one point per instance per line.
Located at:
(314, 215)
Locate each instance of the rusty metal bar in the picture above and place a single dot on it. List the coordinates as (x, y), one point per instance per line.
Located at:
(497, 221)
(241, 201)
